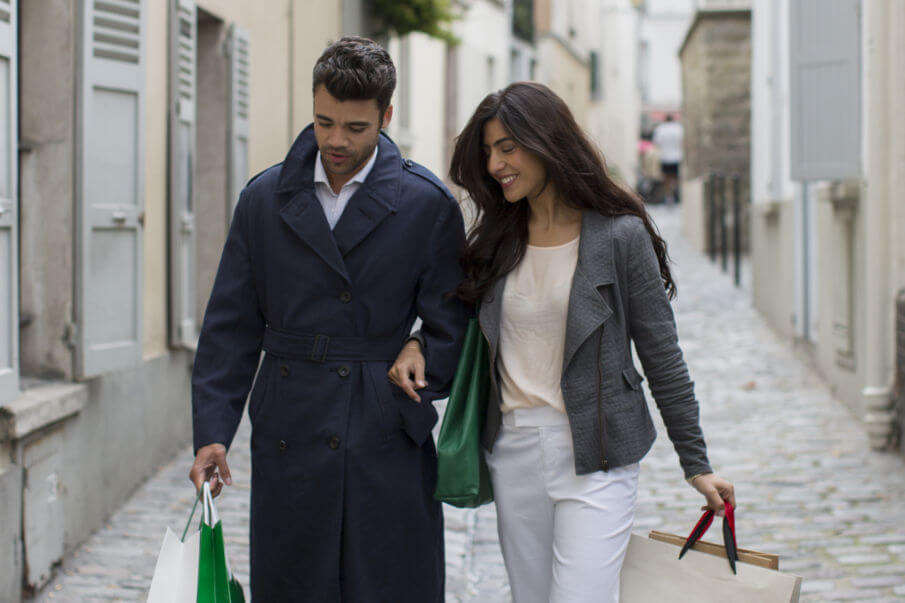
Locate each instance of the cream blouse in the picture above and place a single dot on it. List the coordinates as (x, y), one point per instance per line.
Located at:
(533, 327)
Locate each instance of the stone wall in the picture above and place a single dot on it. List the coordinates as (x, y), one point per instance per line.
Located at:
(716, 105)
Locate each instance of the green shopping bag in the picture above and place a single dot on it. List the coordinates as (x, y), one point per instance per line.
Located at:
(462, 476)
(216, 583)
(195, 569)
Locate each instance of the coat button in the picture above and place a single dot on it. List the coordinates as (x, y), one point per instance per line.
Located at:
(283, 445)
(343, 371)
(334, 442)
(345, 297)
(284, 370)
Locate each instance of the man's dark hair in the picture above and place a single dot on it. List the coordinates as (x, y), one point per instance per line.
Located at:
(356, 68)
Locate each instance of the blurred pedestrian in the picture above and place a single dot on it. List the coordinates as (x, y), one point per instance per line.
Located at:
(668, 136)
(650, 183)
(330, 256)
(568, 270)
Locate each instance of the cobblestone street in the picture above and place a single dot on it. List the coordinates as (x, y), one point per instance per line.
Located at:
(808, 486)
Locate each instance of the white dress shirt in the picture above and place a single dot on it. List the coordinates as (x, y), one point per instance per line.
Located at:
(333, 203)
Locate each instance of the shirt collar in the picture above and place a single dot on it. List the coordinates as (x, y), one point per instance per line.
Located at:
(320, 174)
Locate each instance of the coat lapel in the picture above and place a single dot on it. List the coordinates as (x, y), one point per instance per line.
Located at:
(373, 201)
(367, 208)
(588, 310)
(305, 216)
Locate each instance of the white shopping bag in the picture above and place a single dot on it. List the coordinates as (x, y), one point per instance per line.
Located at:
(176, 574)
(653, 573)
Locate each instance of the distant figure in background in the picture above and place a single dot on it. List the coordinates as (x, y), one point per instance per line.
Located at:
(668, 138)
(650, 180)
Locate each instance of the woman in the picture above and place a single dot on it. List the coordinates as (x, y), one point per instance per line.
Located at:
(568, 270)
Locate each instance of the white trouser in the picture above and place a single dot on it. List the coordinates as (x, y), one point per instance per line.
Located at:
(563, 535)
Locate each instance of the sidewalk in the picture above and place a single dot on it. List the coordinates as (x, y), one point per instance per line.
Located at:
(808, 485)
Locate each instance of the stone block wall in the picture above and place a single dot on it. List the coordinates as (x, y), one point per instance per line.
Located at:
(716, 105)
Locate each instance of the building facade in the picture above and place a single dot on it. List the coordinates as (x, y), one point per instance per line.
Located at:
(828, 170)
(614, 116)
(662, 29)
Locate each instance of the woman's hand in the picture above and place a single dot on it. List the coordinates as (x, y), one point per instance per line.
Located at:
(409, 364)
(715, 489)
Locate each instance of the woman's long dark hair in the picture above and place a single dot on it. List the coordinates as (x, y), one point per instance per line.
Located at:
(540, 122)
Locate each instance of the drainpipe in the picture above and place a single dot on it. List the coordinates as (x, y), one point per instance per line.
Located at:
(291, 75)
(878, 294)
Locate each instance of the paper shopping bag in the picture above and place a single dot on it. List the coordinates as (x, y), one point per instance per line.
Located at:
(195, 569)
(176, 574)
(653, 573)
(216, 583)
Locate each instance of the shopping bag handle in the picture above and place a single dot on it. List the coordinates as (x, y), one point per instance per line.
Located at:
(728, 533)
(210, 512)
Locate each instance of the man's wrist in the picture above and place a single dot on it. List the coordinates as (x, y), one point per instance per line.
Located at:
(416, 337)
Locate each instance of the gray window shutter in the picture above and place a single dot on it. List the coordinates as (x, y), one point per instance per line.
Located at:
(238, 122)
(825, 87)
(183, 154)
(9, 220)
(110, 184)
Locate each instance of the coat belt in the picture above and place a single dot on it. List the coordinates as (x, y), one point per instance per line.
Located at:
(318, 347)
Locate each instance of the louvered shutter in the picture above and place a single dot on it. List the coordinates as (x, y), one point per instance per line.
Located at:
(183, 154)
(238, 122)
(825, 87)
(9, 262)
(110, 184)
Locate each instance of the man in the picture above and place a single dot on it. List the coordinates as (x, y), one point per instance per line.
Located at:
(330, 257)
(668, 137)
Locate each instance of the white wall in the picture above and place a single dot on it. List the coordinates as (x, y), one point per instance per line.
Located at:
(483, 56)
(614, 118)
(424, 139)
(770, 140)
(663, 29)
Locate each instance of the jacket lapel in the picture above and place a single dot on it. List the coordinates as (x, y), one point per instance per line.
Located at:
(489, 317)
(371, 203)
(374, 200)
(305, 216)
(588, 310)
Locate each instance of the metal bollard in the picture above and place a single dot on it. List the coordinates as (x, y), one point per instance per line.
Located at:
(711, 217)
(737, 227)
(724, 243)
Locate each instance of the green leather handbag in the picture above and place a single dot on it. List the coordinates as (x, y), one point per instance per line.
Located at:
(462, 476)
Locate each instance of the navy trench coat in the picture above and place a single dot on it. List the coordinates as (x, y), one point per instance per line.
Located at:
(343, 463)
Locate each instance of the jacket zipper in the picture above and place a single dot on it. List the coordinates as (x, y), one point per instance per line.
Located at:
(604, 463)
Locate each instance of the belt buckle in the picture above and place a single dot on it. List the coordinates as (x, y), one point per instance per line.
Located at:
(322, 357)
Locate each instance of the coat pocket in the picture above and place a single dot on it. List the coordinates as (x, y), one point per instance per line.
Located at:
(257, 401)
(632, 378)
(387, 408)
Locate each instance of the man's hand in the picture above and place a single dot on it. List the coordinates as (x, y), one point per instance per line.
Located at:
(210, 464)
(409, 364)
(715, 489)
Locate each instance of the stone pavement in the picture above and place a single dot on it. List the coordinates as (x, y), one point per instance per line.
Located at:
(809, 487)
